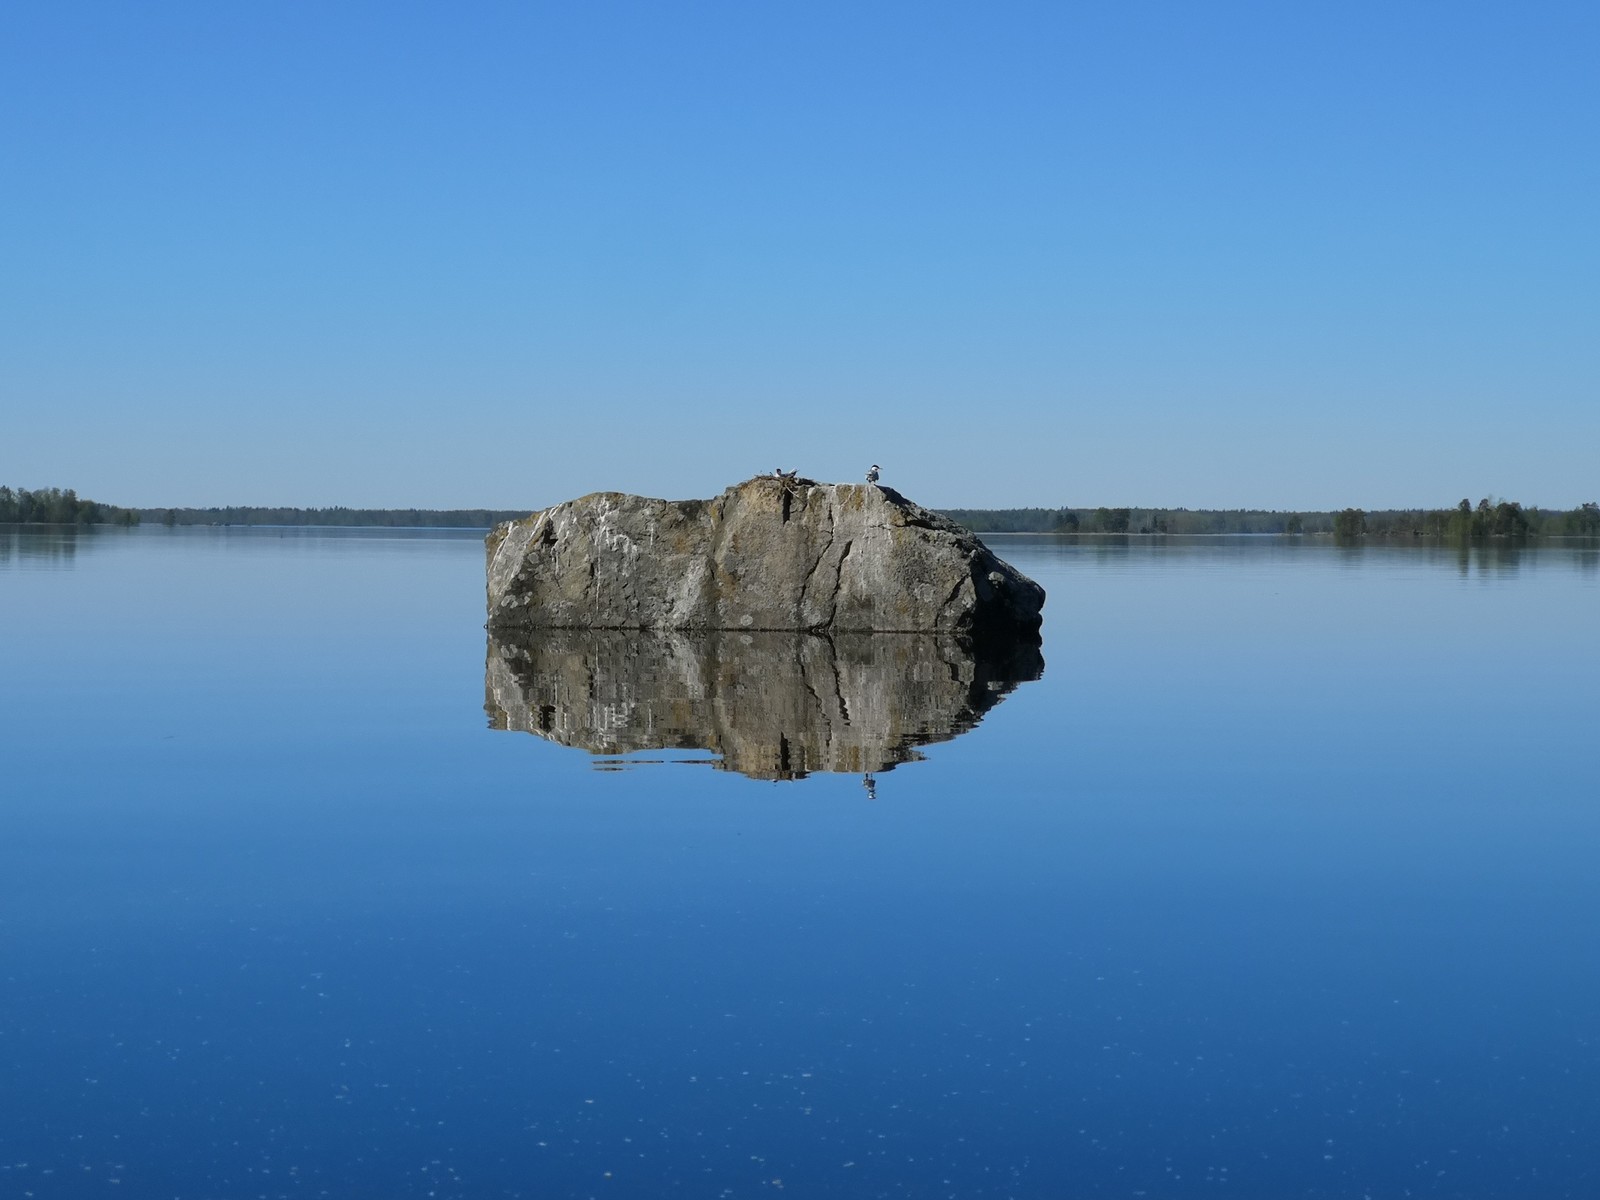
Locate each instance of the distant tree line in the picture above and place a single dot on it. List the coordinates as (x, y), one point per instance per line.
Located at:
(1139, 520)
(54, 506)
(1488, 518)
(391, 518)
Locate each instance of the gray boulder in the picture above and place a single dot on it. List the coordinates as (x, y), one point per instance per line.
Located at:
(768, 554)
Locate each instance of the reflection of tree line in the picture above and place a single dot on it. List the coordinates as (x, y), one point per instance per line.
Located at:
(1489, 518)
(1505, 556)
(54, 546)
(1499, 556)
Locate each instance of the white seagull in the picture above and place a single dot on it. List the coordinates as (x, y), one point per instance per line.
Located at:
(872, 473)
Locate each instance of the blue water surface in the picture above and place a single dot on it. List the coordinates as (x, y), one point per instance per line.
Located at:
(1281, 882)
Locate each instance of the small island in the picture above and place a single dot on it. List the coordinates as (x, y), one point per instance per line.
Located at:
(774, 553)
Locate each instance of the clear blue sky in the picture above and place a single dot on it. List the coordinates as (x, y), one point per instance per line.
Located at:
(1204, 254)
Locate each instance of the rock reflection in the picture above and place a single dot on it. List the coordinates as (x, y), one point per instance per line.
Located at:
(769, 705)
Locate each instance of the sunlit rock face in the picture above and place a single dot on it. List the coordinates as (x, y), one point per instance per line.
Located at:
(768, 554)
(770, 705)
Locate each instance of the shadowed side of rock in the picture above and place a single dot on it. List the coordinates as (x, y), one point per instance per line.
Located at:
(768, 554)
(771, 705)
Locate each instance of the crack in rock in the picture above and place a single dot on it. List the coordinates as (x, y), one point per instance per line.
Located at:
(805, 584)
(838, 583)
(949, 600)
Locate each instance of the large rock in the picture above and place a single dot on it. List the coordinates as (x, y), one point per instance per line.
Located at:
(768, 554)
(769, 705)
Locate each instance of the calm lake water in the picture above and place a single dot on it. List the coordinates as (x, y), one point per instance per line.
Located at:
(1281, 881)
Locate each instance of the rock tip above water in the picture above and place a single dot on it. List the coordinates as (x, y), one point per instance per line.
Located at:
(768, 554)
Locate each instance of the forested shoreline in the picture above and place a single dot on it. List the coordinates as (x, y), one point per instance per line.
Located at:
(1488, 518)
(55, 506)
(337, 516)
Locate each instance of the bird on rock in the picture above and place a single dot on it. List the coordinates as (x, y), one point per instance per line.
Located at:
(872, 473)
